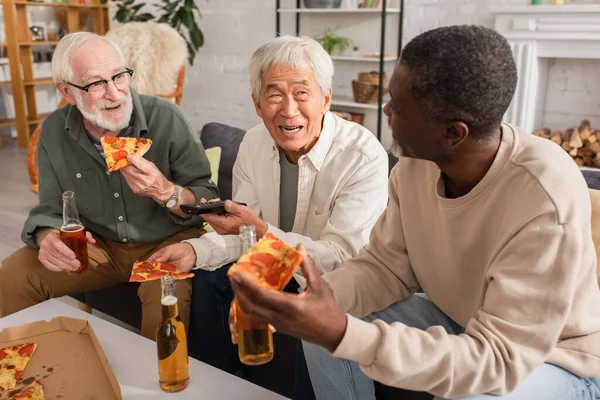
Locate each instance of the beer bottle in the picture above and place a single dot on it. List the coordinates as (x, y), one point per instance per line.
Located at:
(72, 232)
(171, 340)
(255, 340)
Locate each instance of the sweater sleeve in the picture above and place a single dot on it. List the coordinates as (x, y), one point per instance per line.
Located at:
(381, 274)
(527, 297)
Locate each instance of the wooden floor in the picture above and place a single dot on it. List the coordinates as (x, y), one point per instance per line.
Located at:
(15, 197)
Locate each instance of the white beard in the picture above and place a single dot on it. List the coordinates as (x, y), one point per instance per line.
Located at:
(396, 150)
(95, 118)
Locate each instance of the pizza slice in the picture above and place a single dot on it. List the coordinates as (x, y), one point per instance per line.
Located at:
(13, 361)
(31, 392)
(150, 270)
(270, 261)
(116, 150)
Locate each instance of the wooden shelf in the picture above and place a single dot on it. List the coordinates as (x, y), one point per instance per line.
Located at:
(45, 4)
(12, 121)
(40, 43)
(362, 59)
(341, 102)
(41, 81)
(7, 122)
(338, 10)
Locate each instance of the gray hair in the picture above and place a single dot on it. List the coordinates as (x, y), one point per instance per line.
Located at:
(295, 52)
(61, 59)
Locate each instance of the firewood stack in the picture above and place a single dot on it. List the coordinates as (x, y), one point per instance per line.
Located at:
(582, 143)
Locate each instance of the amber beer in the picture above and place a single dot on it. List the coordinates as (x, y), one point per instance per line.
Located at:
(171, 341)
(72, 232)
(255, 340)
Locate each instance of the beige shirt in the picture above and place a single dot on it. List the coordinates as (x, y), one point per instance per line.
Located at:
(512, 261)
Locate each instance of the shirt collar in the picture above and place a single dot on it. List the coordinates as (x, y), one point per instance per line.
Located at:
(74, 120)
(319, 151)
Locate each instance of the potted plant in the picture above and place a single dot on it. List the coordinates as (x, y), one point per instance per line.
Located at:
(355, 51)
(332, 43)
(183, 15)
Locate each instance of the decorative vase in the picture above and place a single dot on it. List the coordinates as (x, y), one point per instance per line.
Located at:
(322, 3)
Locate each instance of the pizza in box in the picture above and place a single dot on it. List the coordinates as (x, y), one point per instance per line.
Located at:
(31, 392)
(271, 262)
(116, 150)
(13, 361)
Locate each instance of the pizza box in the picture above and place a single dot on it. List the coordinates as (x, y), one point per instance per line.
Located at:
(68, 360)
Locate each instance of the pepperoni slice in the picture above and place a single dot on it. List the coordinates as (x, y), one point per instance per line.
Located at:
(142, 140)
(156, 274)
(119, 143)
(27, 351)
(118, 155)
(168, 267)
(110, 139)
(278, 245)
(264, 259)
(2, 355)
(136, 278)
(18, 375)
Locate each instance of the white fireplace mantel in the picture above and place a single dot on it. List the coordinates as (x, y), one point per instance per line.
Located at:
(537, 33)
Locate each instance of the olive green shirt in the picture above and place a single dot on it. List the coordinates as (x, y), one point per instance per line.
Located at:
(288, 192)
(68, 160)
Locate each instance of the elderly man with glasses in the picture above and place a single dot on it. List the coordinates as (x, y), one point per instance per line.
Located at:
(128, 214)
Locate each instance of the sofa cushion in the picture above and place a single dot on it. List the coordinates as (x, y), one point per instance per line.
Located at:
(228, 139)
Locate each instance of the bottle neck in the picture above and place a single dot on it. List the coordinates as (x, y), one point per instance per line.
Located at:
(168, 298)
(247, 236)
(70, 213)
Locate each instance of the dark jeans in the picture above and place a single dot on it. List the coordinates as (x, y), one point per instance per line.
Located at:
(210, 338)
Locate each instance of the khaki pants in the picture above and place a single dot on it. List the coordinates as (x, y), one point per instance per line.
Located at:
(24, 281)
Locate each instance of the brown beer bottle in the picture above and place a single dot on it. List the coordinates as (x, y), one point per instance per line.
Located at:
(72, 232)
(171, 341)
(255, 340)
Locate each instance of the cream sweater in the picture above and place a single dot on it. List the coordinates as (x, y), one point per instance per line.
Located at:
(512, 261)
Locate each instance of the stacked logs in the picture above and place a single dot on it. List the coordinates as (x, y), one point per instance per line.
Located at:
(582, 144)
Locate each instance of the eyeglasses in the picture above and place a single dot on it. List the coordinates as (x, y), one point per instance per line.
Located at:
(97, 89)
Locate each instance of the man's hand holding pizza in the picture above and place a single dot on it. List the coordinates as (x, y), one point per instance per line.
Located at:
(181, 255)
(145, 179)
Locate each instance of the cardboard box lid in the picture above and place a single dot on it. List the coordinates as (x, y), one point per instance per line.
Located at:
(69, 360)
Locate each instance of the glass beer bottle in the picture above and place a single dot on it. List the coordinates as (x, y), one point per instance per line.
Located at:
(72, 232)
(255, 340)
(171, 341)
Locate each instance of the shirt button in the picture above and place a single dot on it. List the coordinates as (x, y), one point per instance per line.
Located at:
(124, 240)
(78, 175)
(107, 172)
(120, 218)
(116, 195)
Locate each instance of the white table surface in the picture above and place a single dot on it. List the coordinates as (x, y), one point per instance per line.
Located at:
(134, 361)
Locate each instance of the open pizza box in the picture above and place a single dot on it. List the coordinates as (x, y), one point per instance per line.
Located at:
(68, 360)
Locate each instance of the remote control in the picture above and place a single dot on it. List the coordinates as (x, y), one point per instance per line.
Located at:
(214, 207)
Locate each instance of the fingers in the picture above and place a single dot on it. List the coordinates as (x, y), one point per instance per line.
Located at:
(233, 208)
(56, 264)
(203, 200)
(232, 324)
(160, 256)
(260, 300)
(309, 270)
(139, 162)
(61, 250)
(90, 239)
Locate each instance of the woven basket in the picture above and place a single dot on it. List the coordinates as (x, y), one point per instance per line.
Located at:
(366, 92)
(371, 77)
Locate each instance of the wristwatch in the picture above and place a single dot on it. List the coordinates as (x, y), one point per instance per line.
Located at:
(172, 202)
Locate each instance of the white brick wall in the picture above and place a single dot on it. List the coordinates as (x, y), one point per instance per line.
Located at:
(217, 87)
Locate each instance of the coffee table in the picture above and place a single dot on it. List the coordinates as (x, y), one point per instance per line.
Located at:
(133, 359)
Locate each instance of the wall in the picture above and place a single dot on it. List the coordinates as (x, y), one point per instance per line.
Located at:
(217, 87)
